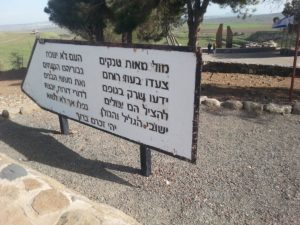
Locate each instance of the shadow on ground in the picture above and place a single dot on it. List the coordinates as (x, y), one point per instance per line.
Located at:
(37, 145)
(13, 74)
(257, 94)
(259, 55)
(252, 117)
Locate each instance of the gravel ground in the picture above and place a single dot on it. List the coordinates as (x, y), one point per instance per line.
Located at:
(248, 168)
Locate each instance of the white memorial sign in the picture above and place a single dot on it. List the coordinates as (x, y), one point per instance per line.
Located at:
(144, 95)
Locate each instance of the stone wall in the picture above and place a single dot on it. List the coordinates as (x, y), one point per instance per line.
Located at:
(246, 50)
(242, 50)
(261, 36)
(271, 70)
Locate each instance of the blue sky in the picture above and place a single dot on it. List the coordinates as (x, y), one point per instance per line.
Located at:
(31, 11)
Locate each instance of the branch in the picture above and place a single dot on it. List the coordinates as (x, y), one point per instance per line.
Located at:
(190, 11)
(204, 6)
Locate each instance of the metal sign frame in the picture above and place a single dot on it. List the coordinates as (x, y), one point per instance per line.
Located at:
(144, 148)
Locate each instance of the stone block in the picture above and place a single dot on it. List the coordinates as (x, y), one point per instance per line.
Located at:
(11, 214)
(212, 103)
(78, 217)
(49, 201)
(12, 172)
(253, 107)
(296, 108)
(9, 193)
(277, 109)
(219, 35)
(232, 104)
(31, 184)
(202, 99)
(5, 114)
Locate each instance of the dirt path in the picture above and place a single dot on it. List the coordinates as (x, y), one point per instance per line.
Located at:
(11, 95)
(262, 89)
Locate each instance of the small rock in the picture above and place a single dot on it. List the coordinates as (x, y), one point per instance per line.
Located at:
(5, 114)
(202, 99)
(211, 102)
(24, 110)
(232, 104)
(49, 201)
(74, 198)
(296, 108)
(12, 172)
(24, 159)
(31, 184)
(253, 107)
(167, 182)
(11, 214)
(277, 109)
(287, 109)
(78, 217)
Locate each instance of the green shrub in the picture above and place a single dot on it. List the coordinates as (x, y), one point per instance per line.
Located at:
(16, 60)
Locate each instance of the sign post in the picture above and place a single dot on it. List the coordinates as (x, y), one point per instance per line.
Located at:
(64, 124)
(142, 93)
(145, 154)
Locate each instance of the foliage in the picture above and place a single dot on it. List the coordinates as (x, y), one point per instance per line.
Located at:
(240, 7)
(292, 9)
(86, 18)
(16, 60)
(110, 35)
(128, 14)
(275, 19)
(168, 15)
(21, 43)
(153, 19)
(197, 8)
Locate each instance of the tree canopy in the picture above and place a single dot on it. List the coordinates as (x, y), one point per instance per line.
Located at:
(86, 18)
(167, 14)
(152, 19)
(197, 9)
(129, 14)
(292, 9)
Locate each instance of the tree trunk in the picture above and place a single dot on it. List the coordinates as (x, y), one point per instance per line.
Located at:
(193, 35)
(99, 34)
(196, 11)
(127, 38)
(192, 39)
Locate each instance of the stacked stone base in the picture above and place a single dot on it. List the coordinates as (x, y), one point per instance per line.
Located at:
(251, 107)
(30, 198)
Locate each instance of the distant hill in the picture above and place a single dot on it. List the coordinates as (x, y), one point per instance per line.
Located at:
(243, 28)
(264, 19)
(40, 26)
(261, 19)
